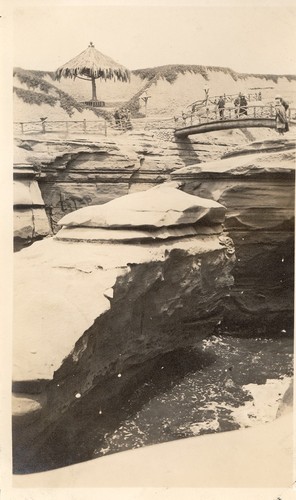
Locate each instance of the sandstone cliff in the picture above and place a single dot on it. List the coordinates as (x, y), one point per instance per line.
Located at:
(84, 170)
(30, 219)
(256, 184)
(91, 314)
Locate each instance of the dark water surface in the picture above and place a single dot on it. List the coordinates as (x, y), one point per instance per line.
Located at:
(188, 392)
(199, 391)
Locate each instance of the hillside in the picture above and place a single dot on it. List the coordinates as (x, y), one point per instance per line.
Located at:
(35, 97)
(170, 89)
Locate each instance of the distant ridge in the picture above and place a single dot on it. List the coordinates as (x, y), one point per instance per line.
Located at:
(171, 71)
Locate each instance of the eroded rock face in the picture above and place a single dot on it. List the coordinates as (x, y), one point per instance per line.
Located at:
(92, 170)
(258, 191)
(104, 311)
(30, 219)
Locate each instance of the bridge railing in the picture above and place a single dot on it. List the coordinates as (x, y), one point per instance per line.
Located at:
(61, 126)
(211, 114)
(251, 96)
(95, 127)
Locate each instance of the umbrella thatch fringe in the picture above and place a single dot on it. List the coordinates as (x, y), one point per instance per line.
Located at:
(93, 64)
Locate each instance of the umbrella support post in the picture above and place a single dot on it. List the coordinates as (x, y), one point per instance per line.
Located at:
(94, 90)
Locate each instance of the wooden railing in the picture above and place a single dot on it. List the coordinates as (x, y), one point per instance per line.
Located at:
(95, 127)
(210, 114)
(94, 104)
(61, 126)
(102, 126)
(213, 100)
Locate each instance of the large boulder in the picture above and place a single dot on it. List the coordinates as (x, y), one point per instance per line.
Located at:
(90, 312)
(162, 206)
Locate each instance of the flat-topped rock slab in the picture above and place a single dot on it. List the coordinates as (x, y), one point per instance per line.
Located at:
(157, 207)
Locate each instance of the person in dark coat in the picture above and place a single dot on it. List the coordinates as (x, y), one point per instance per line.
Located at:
(282, 101)
(281, 120)
(221, 107)
(286, 107)
(117, 118)
(236, 105)
(243, 105)
(128, 120)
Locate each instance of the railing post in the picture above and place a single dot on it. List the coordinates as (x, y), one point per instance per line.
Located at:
(254, 111)
(43, 127)
(105, 127)
(271, 110)
(22, 128)
(84, 125)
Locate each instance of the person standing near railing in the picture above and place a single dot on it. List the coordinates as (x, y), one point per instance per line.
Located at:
(43, 124)
(282, 101)
(128, 119)
(221, 107)
(236, 105)
(117, 118)
(281, 121)
(184, 118)
(243, 105)
(286, 106)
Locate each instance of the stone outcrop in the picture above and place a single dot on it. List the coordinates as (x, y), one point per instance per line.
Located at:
(30, 219)
(104, 310)
(172, 208)
(92, 170)
(256, 185)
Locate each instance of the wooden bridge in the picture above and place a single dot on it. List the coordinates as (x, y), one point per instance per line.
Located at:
(213, 119)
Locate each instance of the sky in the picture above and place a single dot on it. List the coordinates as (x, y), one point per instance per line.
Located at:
(252, 39)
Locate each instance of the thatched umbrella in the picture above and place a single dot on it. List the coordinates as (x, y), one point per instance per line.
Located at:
(90, 65)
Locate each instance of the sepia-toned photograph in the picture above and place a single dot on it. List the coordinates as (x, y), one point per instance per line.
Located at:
(153, 246)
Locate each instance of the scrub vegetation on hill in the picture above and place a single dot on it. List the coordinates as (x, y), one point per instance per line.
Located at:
(273, 78)
(171, 72)
(40, 91)
(49, 93)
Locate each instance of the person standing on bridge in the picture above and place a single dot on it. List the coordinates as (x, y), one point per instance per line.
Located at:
(237, 104)
(282, 101)
(243, 105)
(286, 106)
(221, 107)
(281, 120)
